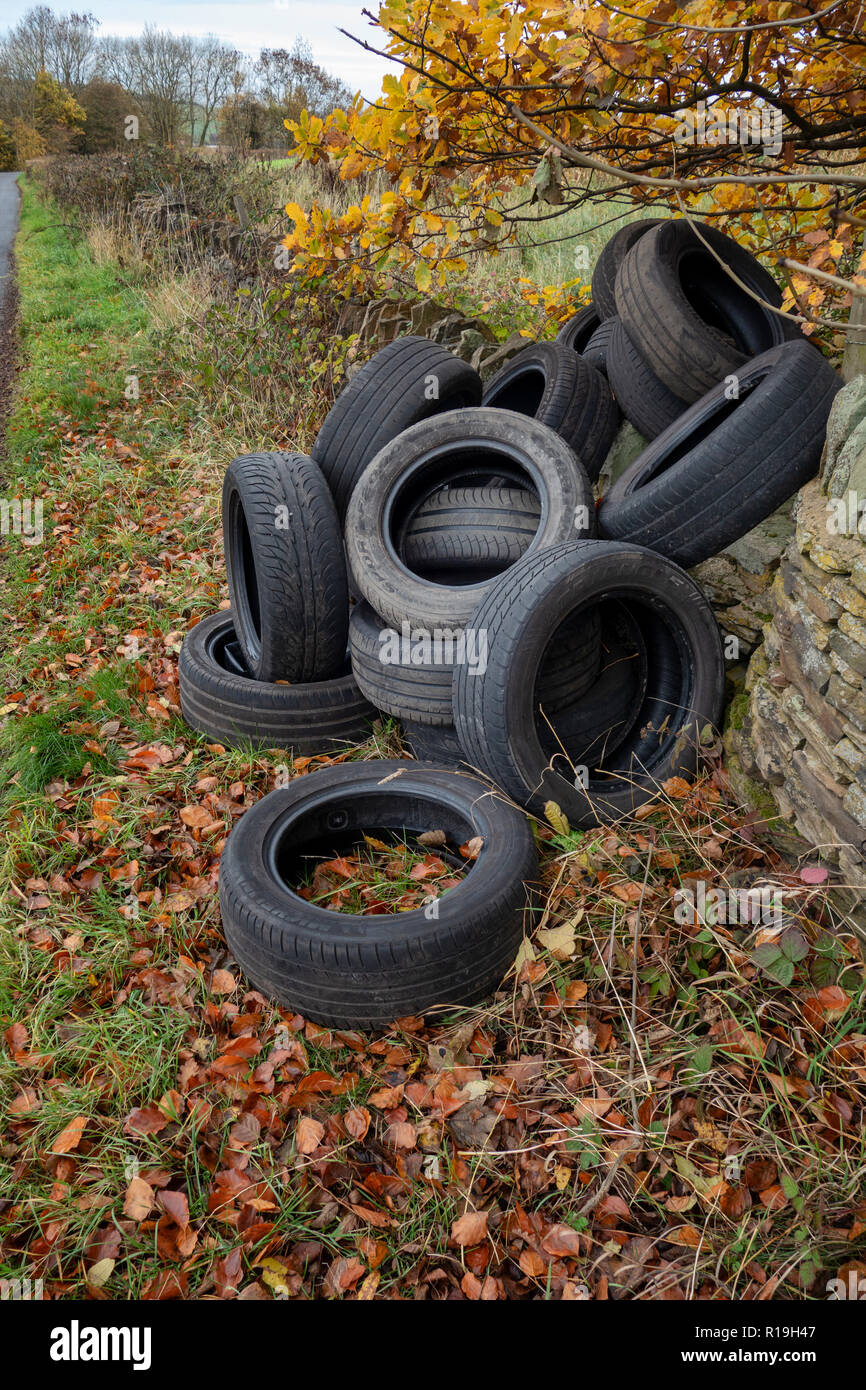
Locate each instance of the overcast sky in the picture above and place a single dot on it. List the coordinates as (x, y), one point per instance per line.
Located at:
(248, 25)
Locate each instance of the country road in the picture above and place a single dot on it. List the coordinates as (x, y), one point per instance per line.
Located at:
(9, 210)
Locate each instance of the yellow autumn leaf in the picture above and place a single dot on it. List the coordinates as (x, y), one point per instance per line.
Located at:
(274, 1275)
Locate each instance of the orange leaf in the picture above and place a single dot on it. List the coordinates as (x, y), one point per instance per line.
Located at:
(357, 1121)
(138, 1202)
(308, 1134)
(470, 1228)
(70, 1137)
(562, 1240)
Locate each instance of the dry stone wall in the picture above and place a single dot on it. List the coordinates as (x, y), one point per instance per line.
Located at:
(799, 729)
(376, 322)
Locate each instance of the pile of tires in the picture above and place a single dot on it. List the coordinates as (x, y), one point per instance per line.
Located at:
(441, 557)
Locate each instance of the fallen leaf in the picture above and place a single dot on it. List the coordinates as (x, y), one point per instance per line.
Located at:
(70, 1137)
(139, 1199)
(308, 1134)
(100, 1273)
(470, 1229)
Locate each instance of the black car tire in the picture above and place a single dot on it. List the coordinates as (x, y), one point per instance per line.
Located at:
(286, 567)
(464, 446)
(551, 383)
(471, 528)
(614, 251)
(348, 971)
(495, 714)
(726, 464)
(410, 379)
(691, 322)
(220, 698)
(644, 400)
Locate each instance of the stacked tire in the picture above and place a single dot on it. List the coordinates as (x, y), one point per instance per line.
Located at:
(441, 558)
(273, 669)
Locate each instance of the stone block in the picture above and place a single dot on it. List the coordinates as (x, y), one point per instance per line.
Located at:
(800, 717)
(847, 413)
(835, 553)
(849, 474)
(847, 672)
(853, 757)
(852, 653)
(855, 803)
(849, 702)
(818, 810)
(853, 628)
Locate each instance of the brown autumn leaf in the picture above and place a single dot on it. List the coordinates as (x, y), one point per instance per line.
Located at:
(532, 1264)
(223, 982)
(386, 1098)
(308, 1134)
(684, 1235)
(139, 1199)
(146, 1120)
(343, 1275)
(562, 1240)
(773, 1198)
(760, 1173)
(433, 839)
(227, 1272)
(357, 1121)
(195, 816)
(470, 1228)
(70, 1137)
(16, 1038)
(401, 1135)
(676, 788)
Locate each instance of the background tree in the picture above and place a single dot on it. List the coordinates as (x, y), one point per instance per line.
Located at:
(156, 76)
(215, 65)
(243, 123)
(73, 50)
(502, 106)
(289, 81)
(106, 106)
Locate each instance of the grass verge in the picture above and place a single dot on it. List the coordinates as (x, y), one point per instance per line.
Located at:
(656, 1105)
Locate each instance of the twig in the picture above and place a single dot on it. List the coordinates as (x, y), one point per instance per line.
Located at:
(633, 1030)
(823, 275)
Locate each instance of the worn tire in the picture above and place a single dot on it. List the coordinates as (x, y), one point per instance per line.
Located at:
(434, 743)
(494, 713)
(552, 384)
(615, 249)
(347, 971)
(471, 528)
(644, 400)
(726, 465)
(592, 727)
(387, 395)
(287, 584)
(576, 332)
(464, 445)
(421, 694)
(220, 698)
(598, 347)
(689, 320)
(418, 693)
